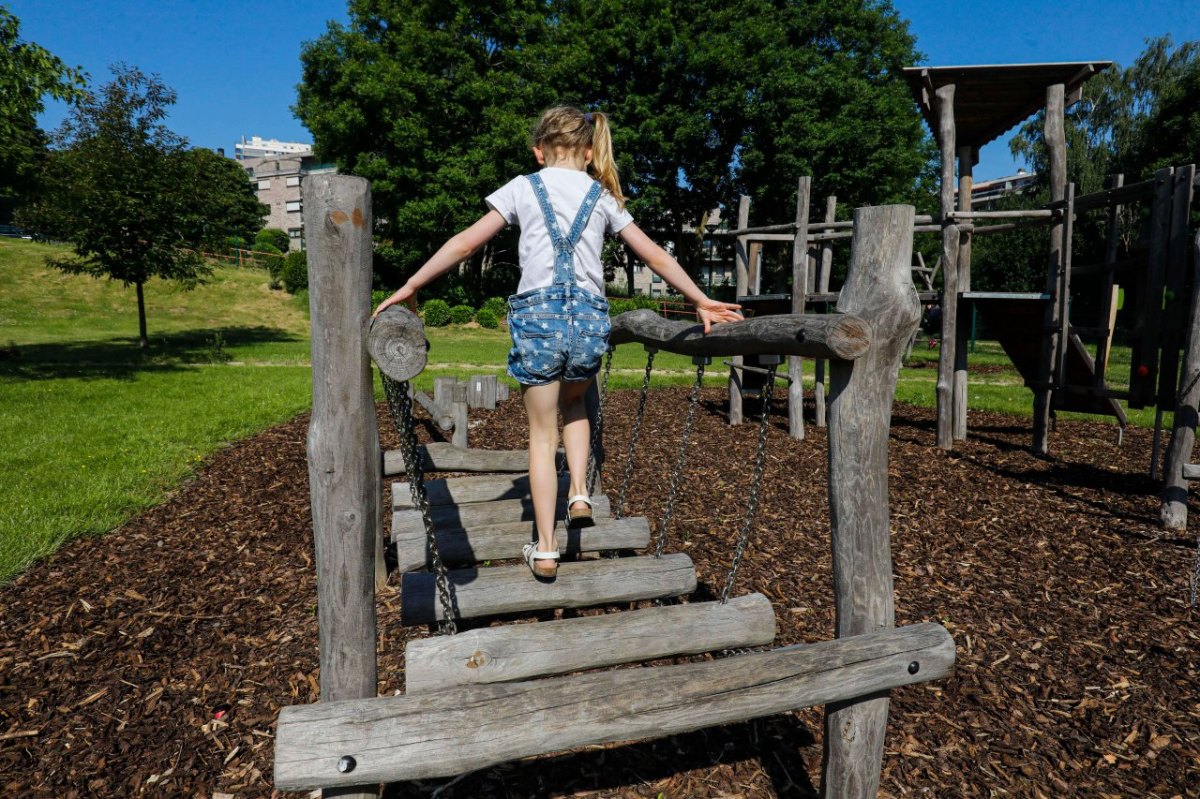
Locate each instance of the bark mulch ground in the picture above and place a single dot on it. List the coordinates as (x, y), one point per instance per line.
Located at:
(1077, 650)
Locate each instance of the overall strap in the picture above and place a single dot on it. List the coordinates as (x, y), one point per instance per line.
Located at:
(581, 218)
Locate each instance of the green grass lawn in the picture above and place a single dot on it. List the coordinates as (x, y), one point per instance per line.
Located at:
(96, 429)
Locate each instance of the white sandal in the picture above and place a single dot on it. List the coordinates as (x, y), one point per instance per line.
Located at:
(582, 516)
(532, 555)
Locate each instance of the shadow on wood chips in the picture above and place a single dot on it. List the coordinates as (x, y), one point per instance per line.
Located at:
(1077, 652)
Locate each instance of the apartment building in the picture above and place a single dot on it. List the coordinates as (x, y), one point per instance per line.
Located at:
(278, 179)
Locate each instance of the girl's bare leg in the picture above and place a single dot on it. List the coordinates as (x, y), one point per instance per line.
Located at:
(576, 435)
(541, 405)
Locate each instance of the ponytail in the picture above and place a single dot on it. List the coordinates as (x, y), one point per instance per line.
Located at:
(567, 127)
(603, 163)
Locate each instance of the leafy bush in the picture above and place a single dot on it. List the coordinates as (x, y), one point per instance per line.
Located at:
(273, 236)
(619, 305)
(497, 305)
(295, 271)
(436, 313)
(461, 314)
(486, 317)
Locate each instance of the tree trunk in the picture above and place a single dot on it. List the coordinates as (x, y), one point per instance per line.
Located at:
(143, 341)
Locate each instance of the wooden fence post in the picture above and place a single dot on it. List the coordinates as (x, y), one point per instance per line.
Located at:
(1173, 512)
(343, 437)
(743, 278)
(799, 283)
(950, 243)
(823, 288)
(458, 411)
(878, 288)
(1056, 151)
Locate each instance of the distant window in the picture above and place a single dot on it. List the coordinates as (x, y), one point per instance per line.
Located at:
(293, 181)
(293, 205)
(656, 279)
(295, 232)
(263, 185)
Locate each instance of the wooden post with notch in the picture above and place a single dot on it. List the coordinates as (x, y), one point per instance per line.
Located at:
(343, 437)
(743, 281)
(950, 240)
(879, 288)
(799, 282)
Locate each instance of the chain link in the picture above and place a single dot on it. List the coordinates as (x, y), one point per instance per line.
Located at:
(755, 483)
(400, 403)
(633, 439)
(1195, 581)
(598, 430)
(677, 472)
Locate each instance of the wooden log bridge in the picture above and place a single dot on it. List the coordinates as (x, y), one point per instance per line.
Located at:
(837, 337)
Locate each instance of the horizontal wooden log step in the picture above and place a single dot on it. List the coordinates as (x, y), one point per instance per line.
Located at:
(503, 541)
(522, 651)
(439, 456)
(1191, 471)
(440, 734)
(513, 589)
(478, 514)
(463, 490)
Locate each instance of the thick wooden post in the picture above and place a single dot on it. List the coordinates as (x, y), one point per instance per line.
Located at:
(1108, 304)
(1173, 512)
(741, 260)
(343, 439)
(1056, 153)
(950, 240)
(825, 268)
(458, 411)
(799, 283)
(878, 287)
(966, 163)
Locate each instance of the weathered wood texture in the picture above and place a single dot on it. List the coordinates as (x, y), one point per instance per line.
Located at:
(433, 735)
(458, 412)
(440, 415)
(742, 281)
(397, 343)
(513, 589)
(1148, 325)
(878, 287)
(799, 292)
(438, 456)
(950, 242)
(1108, 295)
(1173, 512)
(343, 437)
(1175, 285)
(823, 271)
(966, 163)
(465, 490)
(504, 540)
(1056, 154)
(523, 651)
(478, 514)
(842, 337)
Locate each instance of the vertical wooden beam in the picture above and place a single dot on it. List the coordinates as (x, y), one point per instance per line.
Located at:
(344, 467)
(459, 406)
(878, 288)
(754, 268)
(826, 266)
(741, 262)
(1173, 512)
(1064, 290)
(1143, 368)
(966, 165)
(1176, 286)
(1056, 152)
(799, 283)
(1108, 294)
(950, 240)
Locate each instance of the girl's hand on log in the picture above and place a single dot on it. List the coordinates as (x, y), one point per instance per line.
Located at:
(404, 294)
(711, 312)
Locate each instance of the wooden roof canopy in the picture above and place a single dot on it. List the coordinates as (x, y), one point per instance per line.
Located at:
(990, 99)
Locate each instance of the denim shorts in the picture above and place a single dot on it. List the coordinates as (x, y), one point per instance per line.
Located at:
(558, 333)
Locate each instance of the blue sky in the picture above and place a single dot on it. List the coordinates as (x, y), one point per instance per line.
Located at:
(235, 65)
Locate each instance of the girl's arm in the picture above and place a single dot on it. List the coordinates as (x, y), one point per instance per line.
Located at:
(457, 249)
(710, 312)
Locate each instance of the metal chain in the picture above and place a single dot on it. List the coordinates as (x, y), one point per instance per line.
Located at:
(637, 429)
(1195, 581)
(677, 472)
(598, 430)
(400, 403)
(755, 483)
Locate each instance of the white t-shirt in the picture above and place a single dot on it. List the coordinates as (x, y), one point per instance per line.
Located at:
(517, 203)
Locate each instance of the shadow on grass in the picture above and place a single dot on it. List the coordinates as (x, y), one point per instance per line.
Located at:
(122, 358)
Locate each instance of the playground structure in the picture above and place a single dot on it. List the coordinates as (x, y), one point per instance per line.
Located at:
(488, 695)
(966, 107)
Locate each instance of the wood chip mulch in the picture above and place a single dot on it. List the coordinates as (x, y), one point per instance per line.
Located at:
(153, 661)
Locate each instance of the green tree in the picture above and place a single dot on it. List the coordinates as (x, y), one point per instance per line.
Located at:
(217, 199)
(28, 73)
(433, 101)
(122, 188)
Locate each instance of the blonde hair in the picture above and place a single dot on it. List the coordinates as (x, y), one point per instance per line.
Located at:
(570, 129)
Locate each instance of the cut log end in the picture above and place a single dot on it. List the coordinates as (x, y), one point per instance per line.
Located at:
(397, 343)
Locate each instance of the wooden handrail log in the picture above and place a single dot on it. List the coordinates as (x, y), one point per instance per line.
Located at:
(397, 343)
(838, 337)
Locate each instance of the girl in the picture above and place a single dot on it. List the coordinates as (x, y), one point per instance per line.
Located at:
(558, 319)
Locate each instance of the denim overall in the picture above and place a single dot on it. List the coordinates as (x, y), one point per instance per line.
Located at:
(559, 332)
